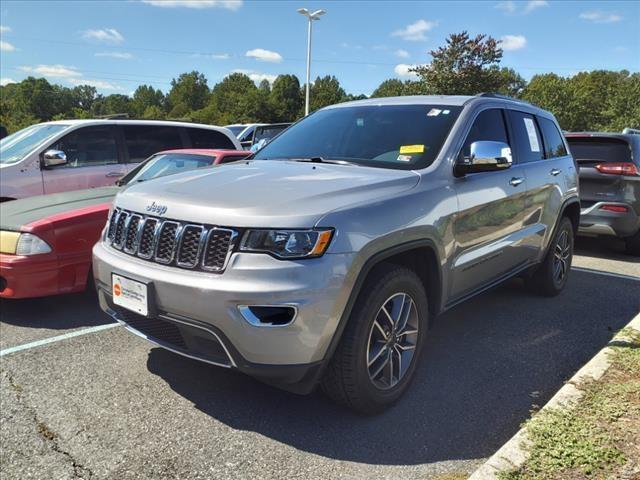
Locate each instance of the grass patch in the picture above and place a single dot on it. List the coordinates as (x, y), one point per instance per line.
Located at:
(599, 436)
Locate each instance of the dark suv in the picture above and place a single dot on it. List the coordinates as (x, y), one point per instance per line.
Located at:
(609, 166)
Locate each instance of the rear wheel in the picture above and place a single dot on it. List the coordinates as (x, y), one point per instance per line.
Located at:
(379, 350)
(633, 244)
(552, 274)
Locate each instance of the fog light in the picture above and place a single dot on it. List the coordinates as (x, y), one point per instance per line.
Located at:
(268, 315)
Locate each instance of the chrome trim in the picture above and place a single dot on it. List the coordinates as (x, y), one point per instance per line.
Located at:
(157, 242)
(252, 319)
(232, 364)
(143, 224)
(131, 251)
(203, 231)
(232, 246)
(118, 246)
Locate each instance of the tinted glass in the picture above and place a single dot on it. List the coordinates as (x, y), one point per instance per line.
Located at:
(201, 138)
(488, 125)
(145, 140)
(167, 164)
(14, 147)
(236, 129)
(599, 149)
(526, 137)
(233, 158)
(89, 146)
(387, 136)
(553, 144)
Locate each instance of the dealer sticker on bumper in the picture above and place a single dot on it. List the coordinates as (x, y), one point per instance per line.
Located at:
(129, 294)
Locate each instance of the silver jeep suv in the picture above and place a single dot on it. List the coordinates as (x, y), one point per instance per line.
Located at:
(324, 258)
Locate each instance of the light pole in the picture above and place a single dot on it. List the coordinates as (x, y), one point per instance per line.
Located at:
(311, 16)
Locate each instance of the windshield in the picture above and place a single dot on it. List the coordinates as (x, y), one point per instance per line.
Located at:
(166, 164)
(14, 147)
(236, 129)
(387, 136)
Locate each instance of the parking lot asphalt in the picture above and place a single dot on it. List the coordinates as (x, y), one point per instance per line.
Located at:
(109, 405)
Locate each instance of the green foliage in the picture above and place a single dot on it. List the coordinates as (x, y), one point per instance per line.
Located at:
(395, 88)
(146, 97)
(286, 100)
(190, 91)
(325, 91)
(464, 66)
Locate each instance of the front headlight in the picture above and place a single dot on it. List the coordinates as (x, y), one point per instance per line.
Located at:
(287, 244)
(30, 244)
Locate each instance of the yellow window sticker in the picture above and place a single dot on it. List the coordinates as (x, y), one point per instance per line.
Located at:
(411, 149)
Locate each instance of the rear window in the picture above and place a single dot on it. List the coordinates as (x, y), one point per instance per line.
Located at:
(585, 149)
(553, 144)
(203, 138)
(144, 140)
(167, 164)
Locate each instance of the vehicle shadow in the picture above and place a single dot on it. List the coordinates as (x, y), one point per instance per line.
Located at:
(487, 364)
(607, 248)
(62, 312)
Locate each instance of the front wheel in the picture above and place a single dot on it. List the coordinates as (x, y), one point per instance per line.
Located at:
(552, 274)
(377, 355)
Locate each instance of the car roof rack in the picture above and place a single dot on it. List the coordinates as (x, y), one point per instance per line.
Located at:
(114, 116)
(632, 131)
(502, 97)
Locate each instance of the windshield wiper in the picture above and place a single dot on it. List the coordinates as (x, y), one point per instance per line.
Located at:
(322, 160)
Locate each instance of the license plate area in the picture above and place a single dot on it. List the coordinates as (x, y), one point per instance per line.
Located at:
(130, 294)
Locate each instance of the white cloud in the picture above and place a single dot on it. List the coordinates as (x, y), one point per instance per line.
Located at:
(522, 8)
(106, 35)
(400, 53)
(598, 16)
(199, 4)
(264, 55)
(6, 81)
(402, 70)
(513, 42)
(53, 71)
(4, 29)
(415, 32)
(95, 83)
(6, 46)
(120, 55)
(212, 56)
(257, 77)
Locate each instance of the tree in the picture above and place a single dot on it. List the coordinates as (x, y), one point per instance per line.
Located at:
(146, 97)
(512, 83)
(189, 91)
(113, 104)
(325, 91)
(286, 100)
(235, 99)
(464, 66)
(84, 96)
(395, 88)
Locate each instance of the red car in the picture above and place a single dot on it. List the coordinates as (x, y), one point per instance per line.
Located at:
(46, 241)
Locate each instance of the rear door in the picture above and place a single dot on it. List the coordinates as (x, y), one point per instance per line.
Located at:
(541, 150)
(93, 160)
(489, 229)
(142, 141)
(590, 151)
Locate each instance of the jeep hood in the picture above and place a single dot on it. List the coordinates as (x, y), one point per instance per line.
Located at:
(264, 193)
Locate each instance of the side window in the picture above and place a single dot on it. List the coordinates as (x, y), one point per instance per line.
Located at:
(527, 139)
(142, 141)
(553, 144)
(488, 125)
(233, 158)
(202, 138)
(89, 146)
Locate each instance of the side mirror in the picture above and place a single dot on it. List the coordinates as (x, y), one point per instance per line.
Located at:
(485, 156)
(52, 158)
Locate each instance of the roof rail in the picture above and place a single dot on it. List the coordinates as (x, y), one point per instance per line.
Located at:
(114, 116)
(633, 131)
(503, 97)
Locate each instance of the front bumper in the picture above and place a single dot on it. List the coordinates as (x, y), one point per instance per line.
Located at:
(318, 288)
(42, 275)
(595, 221)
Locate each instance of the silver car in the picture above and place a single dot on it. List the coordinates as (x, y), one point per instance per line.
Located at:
(324, 258)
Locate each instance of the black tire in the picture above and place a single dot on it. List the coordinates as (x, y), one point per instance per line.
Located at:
(545, 280)
(633, 244)
(347, 378)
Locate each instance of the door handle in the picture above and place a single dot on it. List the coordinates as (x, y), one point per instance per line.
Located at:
(114, 174)
(515, 181)
(555, 172)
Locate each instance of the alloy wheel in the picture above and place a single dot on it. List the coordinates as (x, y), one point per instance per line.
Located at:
(562, 257)
(392, 341)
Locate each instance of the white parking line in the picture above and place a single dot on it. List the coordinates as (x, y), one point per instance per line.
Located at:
(606, 274)
(47, 341)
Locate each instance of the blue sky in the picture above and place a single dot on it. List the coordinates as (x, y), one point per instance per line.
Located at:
(117, 45)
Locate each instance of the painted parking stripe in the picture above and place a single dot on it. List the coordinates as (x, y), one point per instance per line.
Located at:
(58, 338)
(606, 274)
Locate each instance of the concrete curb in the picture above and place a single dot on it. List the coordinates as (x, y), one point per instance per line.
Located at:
(515, 452)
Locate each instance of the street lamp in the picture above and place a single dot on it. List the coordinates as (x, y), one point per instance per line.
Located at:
(311, 16)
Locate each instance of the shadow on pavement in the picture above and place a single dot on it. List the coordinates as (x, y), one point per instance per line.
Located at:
(607, 248)
(487, 364)
(61, 312)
